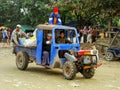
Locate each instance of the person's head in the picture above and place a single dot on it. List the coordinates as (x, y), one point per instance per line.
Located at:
(8, 29)
(55, 10)
(89, 27)
(85, 27)
(49, 35)
(18, 27)
(62, 34)
(80, 30)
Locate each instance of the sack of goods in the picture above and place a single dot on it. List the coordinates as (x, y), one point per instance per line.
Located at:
(28, 42)
(21, 41)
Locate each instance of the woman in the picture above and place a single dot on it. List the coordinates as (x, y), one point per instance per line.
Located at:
(5, 37)
(46, 50)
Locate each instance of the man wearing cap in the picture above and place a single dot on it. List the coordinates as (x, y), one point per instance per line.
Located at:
(55, 17)
(16, 34)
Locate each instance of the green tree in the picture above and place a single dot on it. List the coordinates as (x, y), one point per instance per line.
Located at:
(33, 12)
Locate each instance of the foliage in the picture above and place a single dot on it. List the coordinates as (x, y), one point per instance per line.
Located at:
(33, 12)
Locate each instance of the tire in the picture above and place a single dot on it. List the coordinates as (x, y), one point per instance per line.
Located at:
(109, 56)
(88, 73)
(69, 70)
(22, 60)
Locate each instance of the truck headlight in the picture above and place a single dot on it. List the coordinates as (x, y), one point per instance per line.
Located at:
(94, 59)
(94, 52)
(87, 60)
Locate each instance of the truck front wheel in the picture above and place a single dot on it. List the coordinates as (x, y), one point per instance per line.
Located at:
(69, 70)
(88, 73)
(22, 60)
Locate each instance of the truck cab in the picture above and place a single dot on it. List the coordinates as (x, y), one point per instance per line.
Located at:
(55, 52)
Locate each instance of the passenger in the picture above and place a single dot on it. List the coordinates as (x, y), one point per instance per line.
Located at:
(46, 50)
(55, 17)
(62, 38)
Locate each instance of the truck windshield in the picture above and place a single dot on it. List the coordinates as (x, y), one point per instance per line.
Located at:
(65, 36)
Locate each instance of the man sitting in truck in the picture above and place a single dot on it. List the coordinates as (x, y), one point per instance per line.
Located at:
(62, 40)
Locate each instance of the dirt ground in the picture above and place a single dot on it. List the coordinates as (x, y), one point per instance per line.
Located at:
(107, 77)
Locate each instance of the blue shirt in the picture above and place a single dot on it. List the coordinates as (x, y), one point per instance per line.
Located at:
(51, 19)
(4, 33)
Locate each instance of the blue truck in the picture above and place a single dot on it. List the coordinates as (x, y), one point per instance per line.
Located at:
(83, 61)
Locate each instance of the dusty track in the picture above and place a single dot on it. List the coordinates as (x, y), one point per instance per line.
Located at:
(107, 77)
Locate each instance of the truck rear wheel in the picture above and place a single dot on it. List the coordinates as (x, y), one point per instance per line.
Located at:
(69, 70)
(22, 60)
(88, 73)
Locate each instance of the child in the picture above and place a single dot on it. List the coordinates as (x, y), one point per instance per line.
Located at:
(55, 17)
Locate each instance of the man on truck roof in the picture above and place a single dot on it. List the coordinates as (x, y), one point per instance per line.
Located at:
(55, 17)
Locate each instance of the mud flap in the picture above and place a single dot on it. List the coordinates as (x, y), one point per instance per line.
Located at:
(57, 63)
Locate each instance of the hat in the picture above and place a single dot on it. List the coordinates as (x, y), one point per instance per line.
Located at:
(49, 34)
(18, 25)
(55, 9)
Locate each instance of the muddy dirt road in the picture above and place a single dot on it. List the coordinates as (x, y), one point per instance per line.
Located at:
(107, 77)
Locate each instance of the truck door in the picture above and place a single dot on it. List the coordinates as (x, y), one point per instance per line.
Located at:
(39, 46)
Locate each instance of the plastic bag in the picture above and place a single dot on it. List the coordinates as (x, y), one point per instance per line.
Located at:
(21, 41)
(29, 42)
